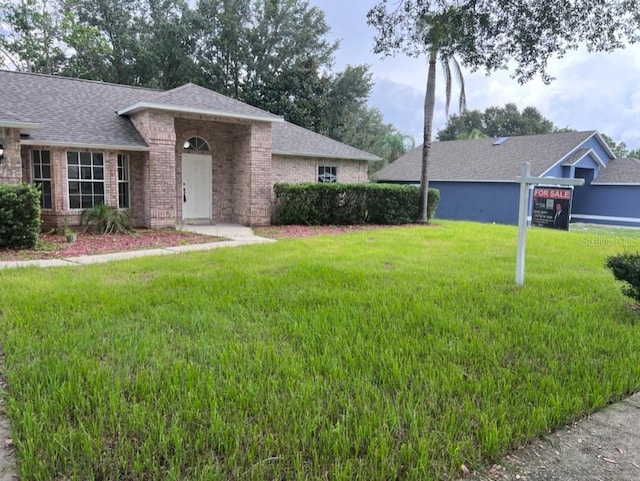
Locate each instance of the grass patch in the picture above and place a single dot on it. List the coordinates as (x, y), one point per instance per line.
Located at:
(397, 353)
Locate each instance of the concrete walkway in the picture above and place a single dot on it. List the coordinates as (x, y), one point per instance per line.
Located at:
(602, 447)
(238, 235)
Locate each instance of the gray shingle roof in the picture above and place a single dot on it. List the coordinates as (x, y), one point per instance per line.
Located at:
(620, 171)
(70, 111)
(480, 160)
(575, 157)
(82, 112)
(290, 139)
(7, 116)
(191, 97)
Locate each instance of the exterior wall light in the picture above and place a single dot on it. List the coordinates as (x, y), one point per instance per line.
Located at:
(1, 153)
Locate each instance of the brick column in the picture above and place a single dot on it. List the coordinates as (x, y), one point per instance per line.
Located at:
(157, 129)
(261, 185)
(11, 164)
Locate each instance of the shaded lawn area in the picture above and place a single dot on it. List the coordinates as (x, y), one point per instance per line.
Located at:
(398, 353)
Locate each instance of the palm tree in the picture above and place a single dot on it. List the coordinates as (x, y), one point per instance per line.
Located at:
(434, 27)
(446, 62)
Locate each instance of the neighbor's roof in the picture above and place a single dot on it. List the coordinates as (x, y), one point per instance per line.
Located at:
(290, 139)
(620, 171)
(481, 160)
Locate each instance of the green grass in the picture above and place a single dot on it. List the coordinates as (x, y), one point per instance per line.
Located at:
(391, 354)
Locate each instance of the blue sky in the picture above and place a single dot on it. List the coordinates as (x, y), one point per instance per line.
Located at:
(591, 91)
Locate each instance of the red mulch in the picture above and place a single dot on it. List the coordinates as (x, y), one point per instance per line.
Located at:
(55, 246)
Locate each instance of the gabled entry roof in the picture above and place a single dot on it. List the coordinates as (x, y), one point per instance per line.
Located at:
(192, 98)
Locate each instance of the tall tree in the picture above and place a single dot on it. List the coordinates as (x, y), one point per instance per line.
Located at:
(494, 34)
(619, 149)
(167, 42)
(32, 32)
(405, 29)
(223, 50)
(496, 122)
(119, 23)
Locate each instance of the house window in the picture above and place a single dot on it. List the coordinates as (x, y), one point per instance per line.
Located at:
(196, 144)
(85, 173)
(123, 181)
(327, 174)
(41, 172)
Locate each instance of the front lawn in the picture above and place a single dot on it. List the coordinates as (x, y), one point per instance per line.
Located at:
(398, 353)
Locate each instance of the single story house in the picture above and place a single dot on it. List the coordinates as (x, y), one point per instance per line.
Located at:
(187, 154)
(477, 178)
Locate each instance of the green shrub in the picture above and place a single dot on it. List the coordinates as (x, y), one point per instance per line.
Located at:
(626, 267)
(106, 220)
(349, 204)
(19, 216)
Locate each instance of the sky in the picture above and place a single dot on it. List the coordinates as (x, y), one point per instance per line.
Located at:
(591, 91)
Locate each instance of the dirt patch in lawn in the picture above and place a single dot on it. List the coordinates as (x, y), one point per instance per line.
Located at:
(287, 231)
(55, 246)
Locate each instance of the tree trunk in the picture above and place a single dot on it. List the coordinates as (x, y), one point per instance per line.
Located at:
(429, 107)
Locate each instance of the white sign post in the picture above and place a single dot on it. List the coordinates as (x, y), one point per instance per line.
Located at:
(526, 181)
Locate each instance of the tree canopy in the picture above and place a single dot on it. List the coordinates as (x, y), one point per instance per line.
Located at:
(496, 122)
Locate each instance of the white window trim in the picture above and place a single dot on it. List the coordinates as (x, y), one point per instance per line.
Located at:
(36, 180)
(92, 180)
(126, 168)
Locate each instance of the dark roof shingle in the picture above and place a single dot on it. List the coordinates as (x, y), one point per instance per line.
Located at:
(72, 111)
(620, 171)
(481, 160)
(193, 97)
(83, 112)
(290, 139)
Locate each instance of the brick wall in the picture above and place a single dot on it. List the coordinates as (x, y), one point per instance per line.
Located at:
(261, 174)
(305, 169)
(157, 129)
(11, 164)
(138, 164)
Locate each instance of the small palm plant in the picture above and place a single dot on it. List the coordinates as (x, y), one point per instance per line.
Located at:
(106, 220)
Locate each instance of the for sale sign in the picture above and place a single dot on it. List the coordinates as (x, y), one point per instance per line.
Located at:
(551, 207)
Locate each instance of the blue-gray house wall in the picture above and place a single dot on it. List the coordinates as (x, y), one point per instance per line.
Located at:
(608, 204)
(479, 201)
(497, 202)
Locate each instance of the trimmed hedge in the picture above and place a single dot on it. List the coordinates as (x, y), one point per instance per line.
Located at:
(19, 216)
(626, 267)
(349, 204)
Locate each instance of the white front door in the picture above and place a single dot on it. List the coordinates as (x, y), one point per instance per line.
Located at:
(196, 186)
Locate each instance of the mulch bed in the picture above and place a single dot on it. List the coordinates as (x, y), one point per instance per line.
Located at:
(55, 246)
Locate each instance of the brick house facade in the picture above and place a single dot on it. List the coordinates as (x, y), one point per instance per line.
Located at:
(184, 155)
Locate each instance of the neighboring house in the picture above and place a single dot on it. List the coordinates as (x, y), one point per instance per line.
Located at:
(476, 178)
(187, 154)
